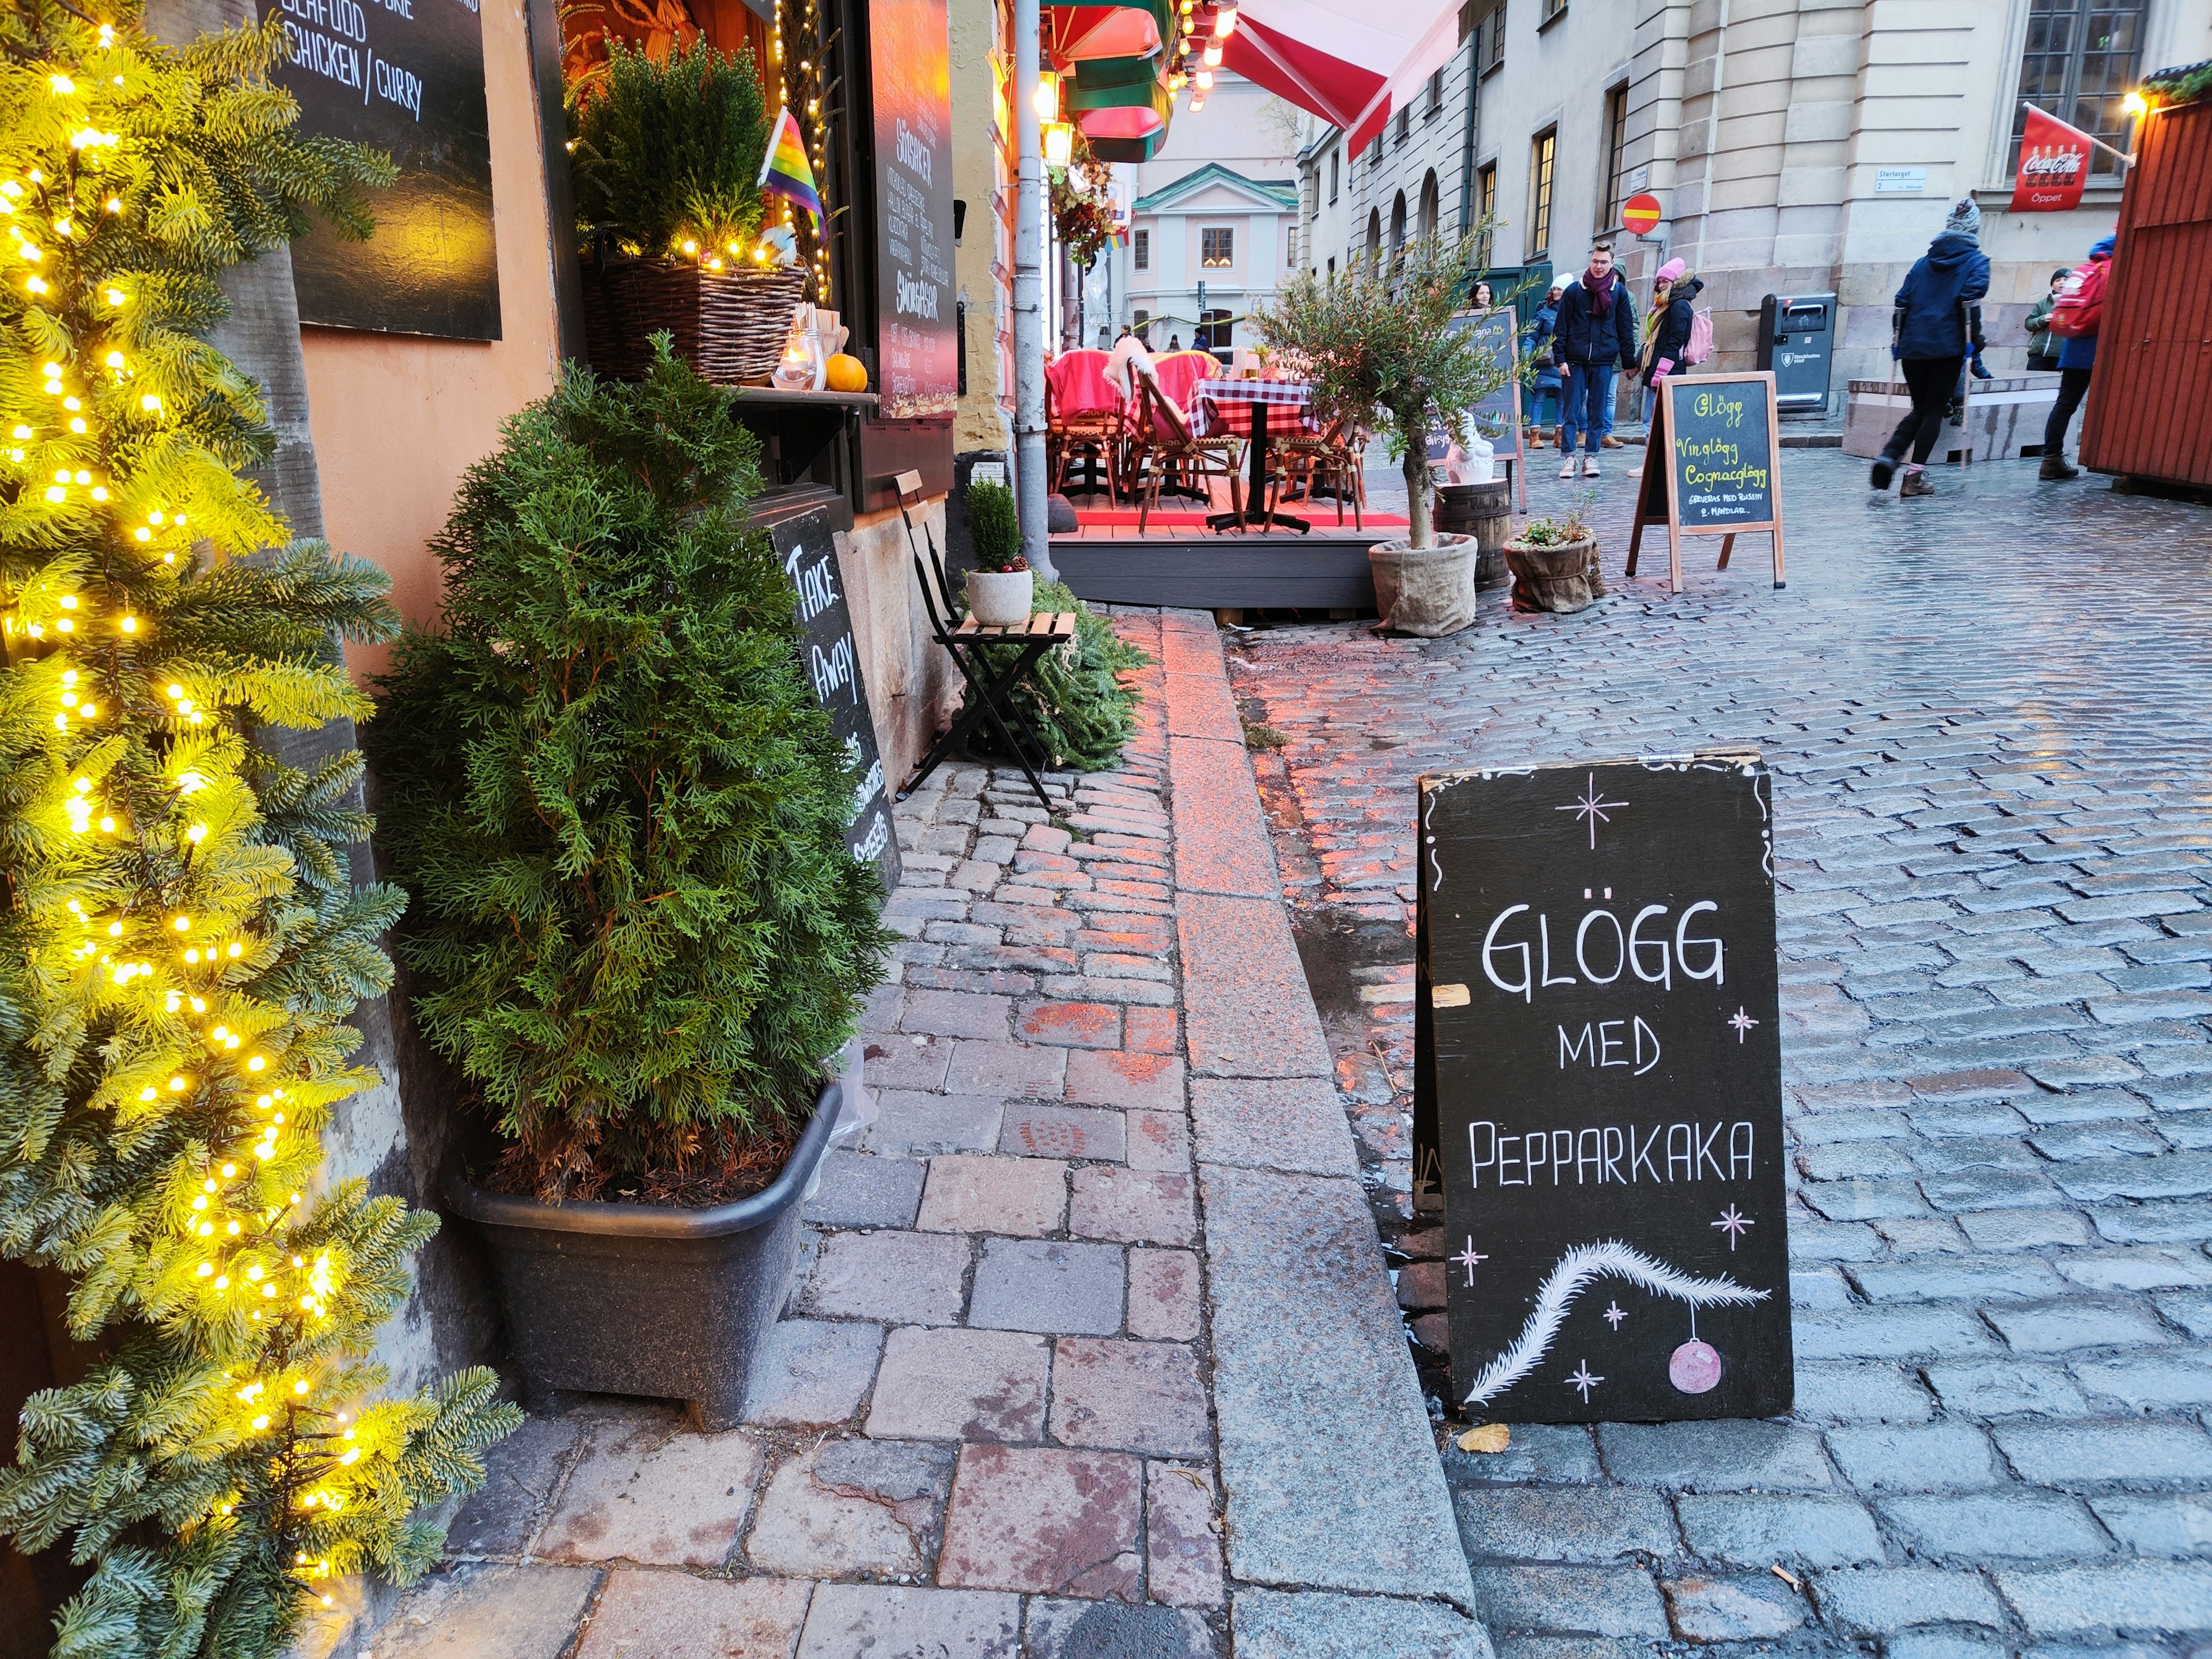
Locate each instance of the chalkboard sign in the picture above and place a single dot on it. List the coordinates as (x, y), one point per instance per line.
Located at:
(1719, 476)
(1497, 417)
(1602, 1094)
(808, 547)
(916, 344)
(406, 76)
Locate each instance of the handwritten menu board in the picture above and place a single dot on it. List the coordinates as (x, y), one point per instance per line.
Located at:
(808, 547)
(1601, 1080)
(1718, 434)
(406, 76)
(918, 359)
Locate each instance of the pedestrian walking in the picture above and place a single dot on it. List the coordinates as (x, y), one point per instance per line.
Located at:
(2074, 319)
(1666, 338)
(1594, 335)
(1931, 334)
(2042, 344)
(1537, 345)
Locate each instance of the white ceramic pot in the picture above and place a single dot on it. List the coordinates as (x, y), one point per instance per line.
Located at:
(1000, 598)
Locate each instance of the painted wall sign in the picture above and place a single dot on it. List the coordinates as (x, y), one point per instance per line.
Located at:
(1600, 1091)
(408, 77)
(917, 352)
(808, 547)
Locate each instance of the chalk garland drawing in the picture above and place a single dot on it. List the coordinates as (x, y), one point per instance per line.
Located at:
(1578, 1268)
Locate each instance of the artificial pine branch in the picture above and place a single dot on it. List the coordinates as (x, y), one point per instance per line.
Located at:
(179, 942)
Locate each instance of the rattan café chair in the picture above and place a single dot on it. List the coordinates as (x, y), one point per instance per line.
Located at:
(1165, 444)
(1329, 459)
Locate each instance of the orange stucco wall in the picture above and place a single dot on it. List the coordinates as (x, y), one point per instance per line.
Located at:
(398, 419)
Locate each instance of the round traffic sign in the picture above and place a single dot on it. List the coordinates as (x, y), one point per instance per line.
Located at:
(1640, 213)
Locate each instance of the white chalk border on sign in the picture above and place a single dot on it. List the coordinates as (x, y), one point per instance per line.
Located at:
(1659, 445)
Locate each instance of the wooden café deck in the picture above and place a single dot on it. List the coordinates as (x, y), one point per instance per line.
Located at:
(1178, 560)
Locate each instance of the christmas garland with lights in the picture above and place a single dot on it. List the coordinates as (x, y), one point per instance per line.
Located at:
(182, 945)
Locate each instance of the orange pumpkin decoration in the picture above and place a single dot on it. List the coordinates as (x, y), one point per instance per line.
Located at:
(847, 374)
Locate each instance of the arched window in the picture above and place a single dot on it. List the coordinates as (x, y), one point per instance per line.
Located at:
(1431, 208)
(1374, 238)
(1397, 227)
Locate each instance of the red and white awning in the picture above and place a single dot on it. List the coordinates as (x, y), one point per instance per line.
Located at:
(1349, 62)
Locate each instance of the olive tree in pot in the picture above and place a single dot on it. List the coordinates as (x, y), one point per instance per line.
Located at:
(1002, 587)
(636, 931)
(1383, 355)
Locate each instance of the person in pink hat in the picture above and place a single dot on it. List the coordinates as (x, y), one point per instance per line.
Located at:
(1674, 309)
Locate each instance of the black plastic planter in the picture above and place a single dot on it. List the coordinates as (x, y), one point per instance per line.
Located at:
(638, 1299)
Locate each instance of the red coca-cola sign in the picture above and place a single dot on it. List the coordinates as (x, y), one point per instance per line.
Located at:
(2054, 165)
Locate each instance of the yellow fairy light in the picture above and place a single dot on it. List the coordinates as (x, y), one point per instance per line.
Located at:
(20, 432)
(114, 360)
(61, 84)
(130, 624)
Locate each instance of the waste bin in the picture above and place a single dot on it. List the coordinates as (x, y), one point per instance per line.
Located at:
(1797, 341)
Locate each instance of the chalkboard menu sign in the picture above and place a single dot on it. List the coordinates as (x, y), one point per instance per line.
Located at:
(918, 358)
(808, 547)
(406, 76)
(1718, 436)
(1600, 1088)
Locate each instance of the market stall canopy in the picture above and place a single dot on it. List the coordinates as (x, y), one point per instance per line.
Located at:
(1123, 118)
(1074, 35)
(1349, 62)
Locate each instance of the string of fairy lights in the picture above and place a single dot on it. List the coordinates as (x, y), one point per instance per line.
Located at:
(806, 91)
(172, 981)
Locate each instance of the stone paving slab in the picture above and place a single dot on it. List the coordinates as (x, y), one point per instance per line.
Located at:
(1994, 924)
(1220, 834)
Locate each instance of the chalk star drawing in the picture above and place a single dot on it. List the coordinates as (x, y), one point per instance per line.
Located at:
(1613, 1316)
(1580, 1378)
(1466, 1258)
(1742, 1022)
(1732, 1224)
(1591, 807)
(1556, 1296)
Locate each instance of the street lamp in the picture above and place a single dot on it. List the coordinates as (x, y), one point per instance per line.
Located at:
(1059, 143)
(1048, 96)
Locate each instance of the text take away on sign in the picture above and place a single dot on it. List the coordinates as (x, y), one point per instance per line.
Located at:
(1600, 1088)
(1709, 466)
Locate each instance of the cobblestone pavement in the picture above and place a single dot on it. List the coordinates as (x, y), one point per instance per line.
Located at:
(1092, 1354)
(1988, 714)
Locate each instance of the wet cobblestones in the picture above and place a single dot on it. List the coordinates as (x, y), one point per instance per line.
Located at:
(1988, 714)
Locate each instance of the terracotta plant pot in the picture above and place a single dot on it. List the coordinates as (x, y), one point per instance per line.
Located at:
(1000, 598)
(642, 1299)
(1428, 593)
(1563, 579)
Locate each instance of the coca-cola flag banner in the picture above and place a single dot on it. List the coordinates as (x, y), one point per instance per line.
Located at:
(2054, 165)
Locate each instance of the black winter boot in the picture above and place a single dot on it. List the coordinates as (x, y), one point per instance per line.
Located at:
(2055, 470)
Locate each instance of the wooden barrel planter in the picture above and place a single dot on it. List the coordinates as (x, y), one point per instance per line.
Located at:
(1484, 511)
(728, 324)
(1562, 579)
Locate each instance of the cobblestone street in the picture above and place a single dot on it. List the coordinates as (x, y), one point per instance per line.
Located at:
(1987, 715)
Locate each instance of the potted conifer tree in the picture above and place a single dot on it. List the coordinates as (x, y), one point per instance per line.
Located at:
(1377, 342)
(637, 931)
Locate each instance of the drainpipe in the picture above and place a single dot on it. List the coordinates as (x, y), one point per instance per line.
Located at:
(1029, 298)
(1713, 130)
(1466, 144)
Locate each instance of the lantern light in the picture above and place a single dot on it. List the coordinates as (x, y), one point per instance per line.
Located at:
(1048, 96)
(1059, 143)
(1204, 79)
(1213, 54)
(1224, 22)
(2136, 104)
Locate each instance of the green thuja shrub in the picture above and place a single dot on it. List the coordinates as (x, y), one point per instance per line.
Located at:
(180, 947)
(637, 928)
(993, 527)
(669, 150)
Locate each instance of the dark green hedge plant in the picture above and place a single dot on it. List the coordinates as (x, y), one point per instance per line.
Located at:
(668, 151)
(1075, 700)
(637, 928)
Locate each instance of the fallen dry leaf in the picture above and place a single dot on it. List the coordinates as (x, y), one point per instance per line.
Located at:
(1486, 1437)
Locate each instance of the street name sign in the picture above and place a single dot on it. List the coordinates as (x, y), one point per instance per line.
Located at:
(1600, 1088)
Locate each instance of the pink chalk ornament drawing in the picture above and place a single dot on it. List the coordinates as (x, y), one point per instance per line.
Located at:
(1694, 1368)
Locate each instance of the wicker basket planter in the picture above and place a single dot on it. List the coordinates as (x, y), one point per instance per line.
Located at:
(728, 324)
(1561, 580)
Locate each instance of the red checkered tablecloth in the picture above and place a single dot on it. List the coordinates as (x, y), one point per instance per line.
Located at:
(1223, 408)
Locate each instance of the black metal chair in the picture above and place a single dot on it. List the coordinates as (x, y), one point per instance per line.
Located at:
(971, 645)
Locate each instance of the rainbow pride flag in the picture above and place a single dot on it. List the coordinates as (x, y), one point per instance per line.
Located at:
(784, 171)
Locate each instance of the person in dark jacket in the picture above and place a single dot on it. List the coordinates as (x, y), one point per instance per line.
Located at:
(1536, 344)
(1932, 335)
(2042, 344)
(1595, 333)
(2078, 355)
(1670, 334)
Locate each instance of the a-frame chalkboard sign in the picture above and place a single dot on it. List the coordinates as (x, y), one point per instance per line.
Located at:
(1710, 461)
(1600, 1092)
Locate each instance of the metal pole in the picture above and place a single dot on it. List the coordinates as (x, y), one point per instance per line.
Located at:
(1029, 298)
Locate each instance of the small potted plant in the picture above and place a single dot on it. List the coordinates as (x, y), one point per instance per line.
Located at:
(1001, 587)
(637, 932)
(1378, 342)
(1554, 563)
(667, 162)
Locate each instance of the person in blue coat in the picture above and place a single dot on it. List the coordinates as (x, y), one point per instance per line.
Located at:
(1536, 344)
(2078, 355)
(1932, 334)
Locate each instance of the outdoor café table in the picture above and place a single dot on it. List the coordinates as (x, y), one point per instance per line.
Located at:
(1240, 409)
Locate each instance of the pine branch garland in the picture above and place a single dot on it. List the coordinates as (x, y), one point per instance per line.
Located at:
(180, 941)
